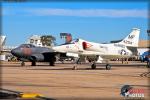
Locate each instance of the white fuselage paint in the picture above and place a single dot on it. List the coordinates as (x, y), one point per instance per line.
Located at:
(94, 49)
(82, 47)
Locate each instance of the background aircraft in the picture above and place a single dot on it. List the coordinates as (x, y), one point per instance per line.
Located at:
(29, 52)
(78, 48)
(2, 40)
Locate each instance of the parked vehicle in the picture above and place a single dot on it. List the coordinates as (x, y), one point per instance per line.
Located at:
(145, 56)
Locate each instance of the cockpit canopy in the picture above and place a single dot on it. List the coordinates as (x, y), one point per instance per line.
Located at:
(72, 42)
(27, 46)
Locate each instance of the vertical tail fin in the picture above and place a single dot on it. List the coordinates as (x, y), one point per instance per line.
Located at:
(132, 39)
(2, 40)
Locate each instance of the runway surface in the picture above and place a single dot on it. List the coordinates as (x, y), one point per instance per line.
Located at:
(61, 82)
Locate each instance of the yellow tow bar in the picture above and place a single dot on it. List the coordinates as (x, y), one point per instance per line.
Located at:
(30, 95)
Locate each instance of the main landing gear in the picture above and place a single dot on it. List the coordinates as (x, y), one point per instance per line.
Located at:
(33, 63)
(93, 66)
(108, 66)
(51, 63)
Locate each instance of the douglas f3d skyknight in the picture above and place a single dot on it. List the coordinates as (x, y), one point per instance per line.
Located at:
(78, 48)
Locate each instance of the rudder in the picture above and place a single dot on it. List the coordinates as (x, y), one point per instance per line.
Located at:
(132, 39)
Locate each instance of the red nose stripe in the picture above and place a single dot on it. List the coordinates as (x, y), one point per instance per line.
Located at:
(86, 45)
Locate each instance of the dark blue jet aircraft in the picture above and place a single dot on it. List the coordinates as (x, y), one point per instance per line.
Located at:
(29, 52)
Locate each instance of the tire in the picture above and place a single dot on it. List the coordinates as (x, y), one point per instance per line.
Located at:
(108, 67)
(93, 66)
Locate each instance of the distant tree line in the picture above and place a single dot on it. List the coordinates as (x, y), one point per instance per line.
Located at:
(48, 40)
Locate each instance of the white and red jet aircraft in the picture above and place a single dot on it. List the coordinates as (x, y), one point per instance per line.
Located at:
(81, 47)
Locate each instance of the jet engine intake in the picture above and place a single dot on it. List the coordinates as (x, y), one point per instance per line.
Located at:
(84, 45)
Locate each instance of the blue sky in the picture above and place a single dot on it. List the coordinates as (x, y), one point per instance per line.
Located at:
(93, 21)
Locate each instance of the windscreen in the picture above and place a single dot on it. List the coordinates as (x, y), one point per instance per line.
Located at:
(27, 46)
(72, 42)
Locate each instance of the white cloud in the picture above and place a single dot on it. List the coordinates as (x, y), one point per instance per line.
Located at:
(140, 13)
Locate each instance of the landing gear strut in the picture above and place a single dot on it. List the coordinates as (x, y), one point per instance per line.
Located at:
(51, 63)
(77, 60)
(22, 63)
(148, 63)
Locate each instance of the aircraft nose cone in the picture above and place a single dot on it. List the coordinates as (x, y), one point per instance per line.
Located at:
(15, 52)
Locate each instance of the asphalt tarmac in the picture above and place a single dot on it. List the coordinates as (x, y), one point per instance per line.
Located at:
(61, 82)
